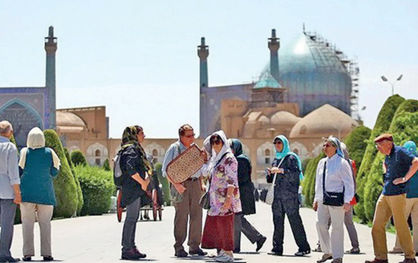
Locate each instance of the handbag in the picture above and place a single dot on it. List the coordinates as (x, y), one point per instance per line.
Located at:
(204, 201)
(270, 191)
(331, 198)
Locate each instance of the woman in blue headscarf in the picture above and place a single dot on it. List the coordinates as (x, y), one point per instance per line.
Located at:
(288, 170)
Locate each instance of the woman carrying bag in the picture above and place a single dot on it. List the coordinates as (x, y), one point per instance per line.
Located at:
(224, 198)
(286, 172)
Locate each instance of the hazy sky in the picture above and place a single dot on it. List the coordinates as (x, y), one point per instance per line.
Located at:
(139, 58)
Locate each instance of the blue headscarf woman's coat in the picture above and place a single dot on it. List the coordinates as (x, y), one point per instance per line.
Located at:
(286, 150)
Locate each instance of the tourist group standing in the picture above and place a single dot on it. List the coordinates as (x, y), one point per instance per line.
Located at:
(225, 180)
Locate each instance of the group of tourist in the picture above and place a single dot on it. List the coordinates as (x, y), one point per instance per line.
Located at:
(230, 193)
(26, 182)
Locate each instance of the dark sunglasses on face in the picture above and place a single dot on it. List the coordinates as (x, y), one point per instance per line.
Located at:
(215, 140)
(277, 142)
(327, 145)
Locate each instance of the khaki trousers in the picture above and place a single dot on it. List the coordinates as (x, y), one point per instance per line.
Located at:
(387, 206)
(29, 213)
(188, 209)
(411, 208)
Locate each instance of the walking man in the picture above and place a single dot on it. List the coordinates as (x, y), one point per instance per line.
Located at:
(185, 197)
(399, 166)
(9, 190)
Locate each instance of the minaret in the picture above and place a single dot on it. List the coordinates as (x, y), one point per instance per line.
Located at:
(203, 53)
(274, 45)
(51, 49)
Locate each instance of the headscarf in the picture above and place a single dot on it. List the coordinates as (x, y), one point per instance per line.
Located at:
(337, 145)
(236, 147)
(216, 156)
(411, 147)
(36, 140)
(129, 138)
(344, 151)
(285, 151)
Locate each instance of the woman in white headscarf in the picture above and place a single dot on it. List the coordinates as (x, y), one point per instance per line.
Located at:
(224, 198)
(38, 164)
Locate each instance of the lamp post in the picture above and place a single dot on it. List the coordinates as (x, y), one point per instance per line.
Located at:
(392, 83)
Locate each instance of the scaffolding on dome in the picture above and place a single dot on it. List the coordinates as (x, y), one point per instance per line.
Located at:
(350, 65)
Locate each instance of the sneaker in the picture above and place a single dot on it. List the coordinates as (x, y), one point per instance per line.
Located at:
(301, 253)
(130, 254)
(276, 252)
(140, 255)
(409, 260)
(318, 248)
(337, 260)
(198, 252)
(354, 250)
(324, 258)
(376, 261)
(224, 258)
(27, 258)
(9, 259)
(48, 258)
(260, 243)
(181, 254)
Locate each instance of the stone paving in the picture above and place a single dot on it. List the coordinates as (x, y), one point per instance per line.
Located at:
(97, 239)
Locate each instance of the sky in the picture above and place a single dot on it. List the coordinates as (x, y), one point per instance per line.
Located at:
(139, 58)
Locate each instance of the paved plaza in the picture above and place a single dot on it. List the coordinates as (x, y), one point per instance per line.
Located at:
(97, 239)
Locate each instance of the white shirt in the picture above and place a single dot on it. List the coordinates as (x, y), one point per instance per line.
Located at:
(338, 178)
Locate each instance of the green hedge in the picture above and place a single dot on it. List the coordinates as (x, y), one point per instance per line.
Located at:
(106, 165)
(404, 127)
(165, 184)
(382, 124)
(356, 143)
(79, 193)
(77, 158)
(64, 184)
(97, 187)
(308, 183)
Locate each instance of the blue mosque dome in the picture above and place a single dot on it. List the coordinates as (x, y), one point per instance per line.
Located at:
(315, 73)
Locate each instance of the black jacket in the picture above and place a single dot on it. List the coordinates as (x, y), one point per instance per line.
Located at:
(130, 164)
(287, 184)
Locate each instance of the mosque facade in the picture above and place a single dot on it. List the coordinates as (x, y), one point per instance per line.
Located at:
(306, 92)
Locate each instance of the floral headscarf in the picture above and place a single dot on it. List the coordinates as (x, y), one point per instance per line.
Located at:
(129, 138)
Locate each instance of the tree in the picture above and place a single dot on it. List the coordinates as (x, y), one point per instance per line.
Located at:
(356, 143)
(106, 165)
(164, 182)
(75, 175)
(308, 183)
(64, 184)
(77, 158)
(383, 122)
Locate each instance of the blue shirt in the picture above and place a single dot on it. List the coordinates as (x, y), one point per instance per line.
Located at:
(37, 186)
(9, 172)
(397, 164)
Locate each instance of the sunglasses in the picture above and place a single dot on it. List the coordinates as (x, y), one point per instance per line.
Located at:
(327, 145)
(277, 142)
(190, 136)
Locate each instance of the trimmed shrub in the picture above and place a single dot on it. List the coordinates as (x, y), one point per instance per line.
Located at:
(356, 143)
(77, 158)
(404, 127)
(382, 124)
(106, 165)
(308, 183)
(79, 193)
(97, 187)
(64, 184)
(164, 183)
